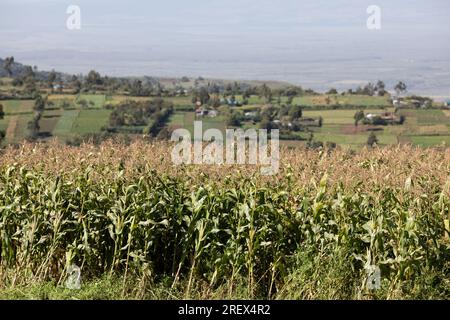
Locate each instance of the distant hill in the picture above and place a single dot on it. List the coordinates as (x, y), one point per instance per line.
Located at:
(19, 68)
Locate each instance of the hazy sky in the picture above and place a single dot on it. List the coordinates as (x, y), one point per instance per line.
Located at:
(317, 43)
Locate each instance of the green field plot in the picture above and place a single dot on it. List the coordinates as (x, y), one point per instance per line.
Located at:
(180, 101)
(338, 116)
(431, 117)
(17, 106)
(117, 99)
(176, 119)
(352, 100)
(329, 129)
(64, 126)
(254, 100)
(49, 120)
(347, 139)
(385, 138)
(213, 123)
(360, 100)
(189, 118)
(4, 123)
(19, 130)
(186, 120)
(60, 97)
(429, 141)
(355, 140)
(91, 121)
(332, 116)
(97, 100)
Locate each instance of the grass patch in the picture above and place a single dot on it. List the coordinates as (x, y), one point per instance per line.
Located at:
(97, 99)
(12, 107)
(64, 126)
(90, 121)
(430, 141)
(431, 117)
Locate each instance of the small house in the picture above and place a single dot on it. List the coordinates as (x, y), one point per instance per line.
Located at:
(381, 118)
(212, 113)
(203, 112)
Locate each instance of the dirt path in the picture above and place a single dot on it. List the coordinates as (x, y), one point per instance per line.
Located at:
(9, 135)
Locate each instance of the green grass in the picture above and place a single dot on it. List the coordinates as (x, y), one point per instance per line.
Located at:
(98, 289)
(12, 107)
(98, 100)
(432, 117)
(353, 100)
(329, 129)
(180, 101)
(359, 139)
(347, 139)
(4, 123)
(429, 141)
(213, 123)
(254, 100)
(176, 119)
(340, 116)
(48, 122)
(64, 126)
(21, 129)
(90, 121)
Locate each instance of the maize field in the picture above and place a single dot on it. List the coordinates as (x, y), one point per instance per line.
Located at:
(313, 231)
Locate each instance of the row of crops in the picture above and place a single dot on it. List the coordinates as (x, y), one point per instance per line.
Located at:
(257, 239)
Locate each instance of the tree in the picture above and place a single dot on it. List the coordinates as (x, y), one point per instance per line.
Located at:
(2, 113)
(65, 104)
(266, 92)
(332, 91)
(136, 88)
(201, 95)
(400, 87)
(28, 72)
(266, 123)
(29, 80)
(290, 99)
(51, 79)
(233, 120)
(380, 88)
(7, 64)
(33, 126)
(93, 78)
(247, 94)
(359, 115)
(372, 140)
(76, 84)
(83, 103)
(369, 89)
(39, 104)
(295, 112)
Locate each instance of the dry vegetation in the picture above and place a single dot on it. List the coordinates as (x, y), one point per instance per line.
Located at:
(169, 231)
